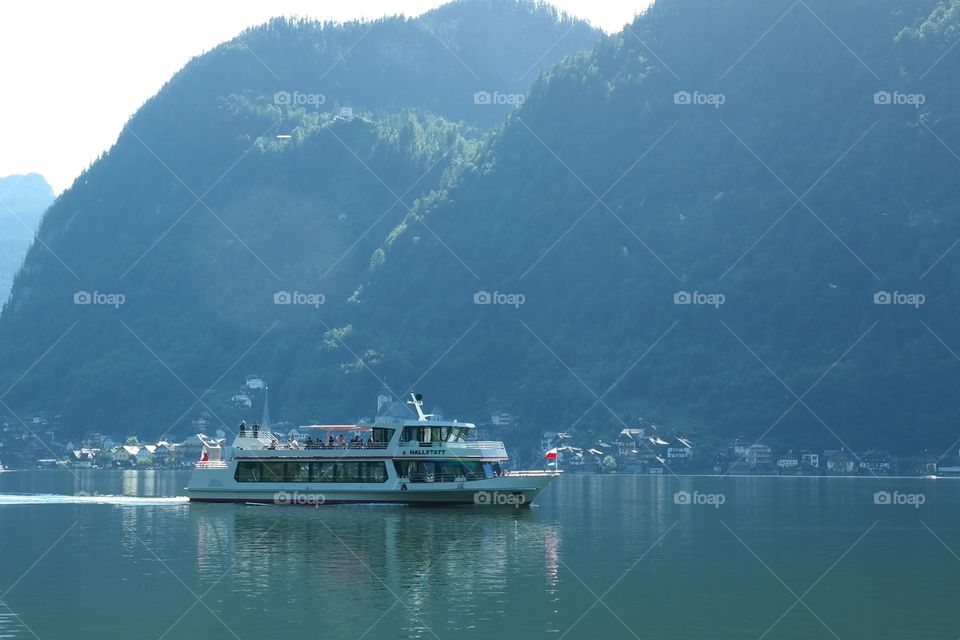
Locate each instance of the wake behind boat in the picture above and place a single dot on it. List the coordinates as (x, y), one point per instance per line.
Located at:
(420, 461)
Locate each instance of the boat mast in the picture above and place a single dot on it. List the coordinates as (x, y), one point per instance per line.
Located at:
(417, 403)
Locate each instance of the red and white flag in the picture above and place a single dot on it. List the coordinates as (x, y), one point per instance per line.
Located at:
(552, 454)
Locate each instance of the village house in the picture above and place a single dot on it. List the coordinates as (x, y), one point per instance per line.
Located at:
(189, 450)
(163, 452)
(125, 454)
(241, 400)
(680, 450)
(84, 458)
(759, 457)
(788, 464)
(876, 462)
(811, 460)
(840, 463)
(628, 442)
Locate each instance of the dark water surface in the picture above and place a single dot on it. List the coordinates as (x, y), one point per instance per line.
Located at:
(117, 554)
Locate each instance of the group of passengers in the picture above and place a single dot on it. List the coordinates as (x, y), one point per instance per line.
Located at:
(255, 429)
(339, 443)
(357, 442)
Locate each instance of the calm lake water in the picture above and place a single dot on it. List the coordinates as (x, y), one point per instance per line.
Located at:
(596, 557)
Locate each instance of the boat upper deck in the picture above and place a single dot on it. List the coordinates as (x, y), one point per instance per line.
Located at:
(415, 440)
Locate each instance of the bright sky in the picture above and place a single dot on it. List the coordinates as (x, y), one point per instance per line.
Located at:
(74, 72)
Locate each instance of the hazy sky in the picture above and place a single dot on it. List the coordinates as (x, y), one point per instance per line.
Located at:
(73, 72)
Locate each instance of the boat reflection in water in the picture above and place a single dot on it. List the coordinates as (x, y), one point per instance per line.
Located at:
(420, 569)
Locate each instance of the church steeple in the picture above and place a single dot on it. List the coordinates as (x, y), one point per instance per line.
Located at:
(385, 399)
(265, 419)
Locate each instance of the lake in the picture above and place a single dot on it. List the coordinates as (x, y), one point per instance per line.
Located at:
(118, 554)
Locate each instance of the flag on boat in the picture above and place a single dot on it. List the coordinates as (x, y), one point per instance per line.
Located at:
(552, 454)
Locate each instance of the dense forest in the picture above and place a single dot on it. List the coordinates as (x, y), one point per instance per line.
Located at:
(735, 218)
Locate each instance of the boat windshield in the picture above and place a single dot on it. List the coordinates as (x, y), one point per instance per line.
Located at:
(435, 433)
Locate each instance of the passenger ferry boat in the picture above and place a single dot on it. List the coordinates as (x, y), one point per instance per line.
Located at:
(419, 461)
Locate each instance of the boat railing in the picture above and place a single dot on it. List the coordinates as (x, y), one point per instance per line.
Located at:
(211, 464)
(442, 477)
(478, 444)
(465, 444)
(533, 473)
(348, 445)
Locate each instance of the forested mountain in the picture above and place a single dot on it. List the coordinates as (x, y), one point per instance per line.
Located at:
(244, 178)
(786, 164)
(23, 199)
(798, 172)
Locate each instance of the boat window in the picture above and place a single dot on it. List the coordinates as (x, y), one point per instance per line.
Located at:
(373, 472)
(248, 472)
(263, 471)
(298, 472)
(382, 435)
(272, 472)
(442, 471)
(457, 434)
(321, 472)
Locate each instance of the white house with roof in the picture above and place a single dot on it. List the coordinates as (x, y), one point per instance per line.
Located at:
(241, 400)
(759, 455)
(788, 463)
(84, 458)
(811, 460)
(680, 449)
(628, 439)
(255, 382)
(163, 451)
(125, 453)
(841, 463)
